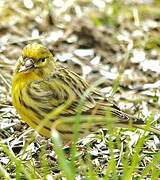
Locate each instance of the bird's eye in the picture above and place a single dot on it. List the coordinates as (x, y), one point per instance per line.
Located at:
(43, 60)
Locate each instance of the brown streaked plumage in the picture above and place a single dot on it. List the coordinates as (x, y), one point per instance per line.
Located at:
(49, 95)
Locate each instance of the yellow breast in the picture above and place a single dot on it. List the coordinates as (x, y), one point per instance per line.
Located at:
(19, 99)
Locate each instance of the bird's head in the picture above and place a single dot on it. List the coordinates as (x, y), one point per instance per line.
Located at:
(35, 58)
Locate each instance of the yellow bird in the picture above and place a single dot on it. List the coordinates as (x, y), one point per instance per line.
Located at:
(48, 95)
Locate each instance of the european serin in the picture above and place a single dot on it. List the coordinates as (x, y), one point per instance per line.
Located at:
(47, 95)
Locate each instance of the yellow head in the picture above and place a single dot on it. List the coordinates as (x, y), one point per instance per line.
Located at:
(35, 58)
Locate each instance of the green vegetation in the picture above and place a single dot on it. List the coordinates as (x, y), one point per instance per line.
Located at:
(122, 39)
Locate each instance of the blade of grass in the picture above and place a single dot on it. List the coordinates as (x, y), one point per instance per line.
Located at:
(64, 164)
(152, 165)
(19, 166)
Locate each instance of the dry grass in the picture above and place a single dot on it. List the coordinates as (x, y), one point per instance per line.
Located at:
(118, 41)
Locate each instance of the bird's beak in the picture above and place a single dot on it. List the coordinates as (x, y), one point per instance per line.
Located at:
(28, 64)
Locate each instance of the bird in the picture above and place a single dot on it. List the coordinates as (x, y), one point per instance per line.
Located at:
(47, 95)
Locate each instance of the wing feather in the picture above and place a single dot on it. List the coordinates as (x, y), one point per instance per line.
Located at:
(66, 86)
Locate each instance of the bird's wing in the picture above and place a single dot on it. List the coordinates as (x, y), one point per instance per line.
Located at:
(62, 88)
(63, 91)
(67, 91)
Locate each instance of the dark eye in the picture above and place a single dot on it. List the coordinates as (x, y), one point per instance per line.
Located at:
(43, 60)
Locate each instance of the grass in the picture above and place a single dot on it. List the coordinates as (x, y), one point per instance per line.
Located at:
(126, 166)
(121, 161)
(109, 154)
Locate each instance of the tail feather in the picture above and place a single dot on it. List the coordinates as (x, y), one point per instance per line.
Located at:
(123, 119)
(146, 128)
(134, 121)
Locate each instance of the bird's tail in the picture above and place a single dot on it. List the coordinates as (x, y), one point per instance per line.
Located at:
(125, 120)
(147, 128)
